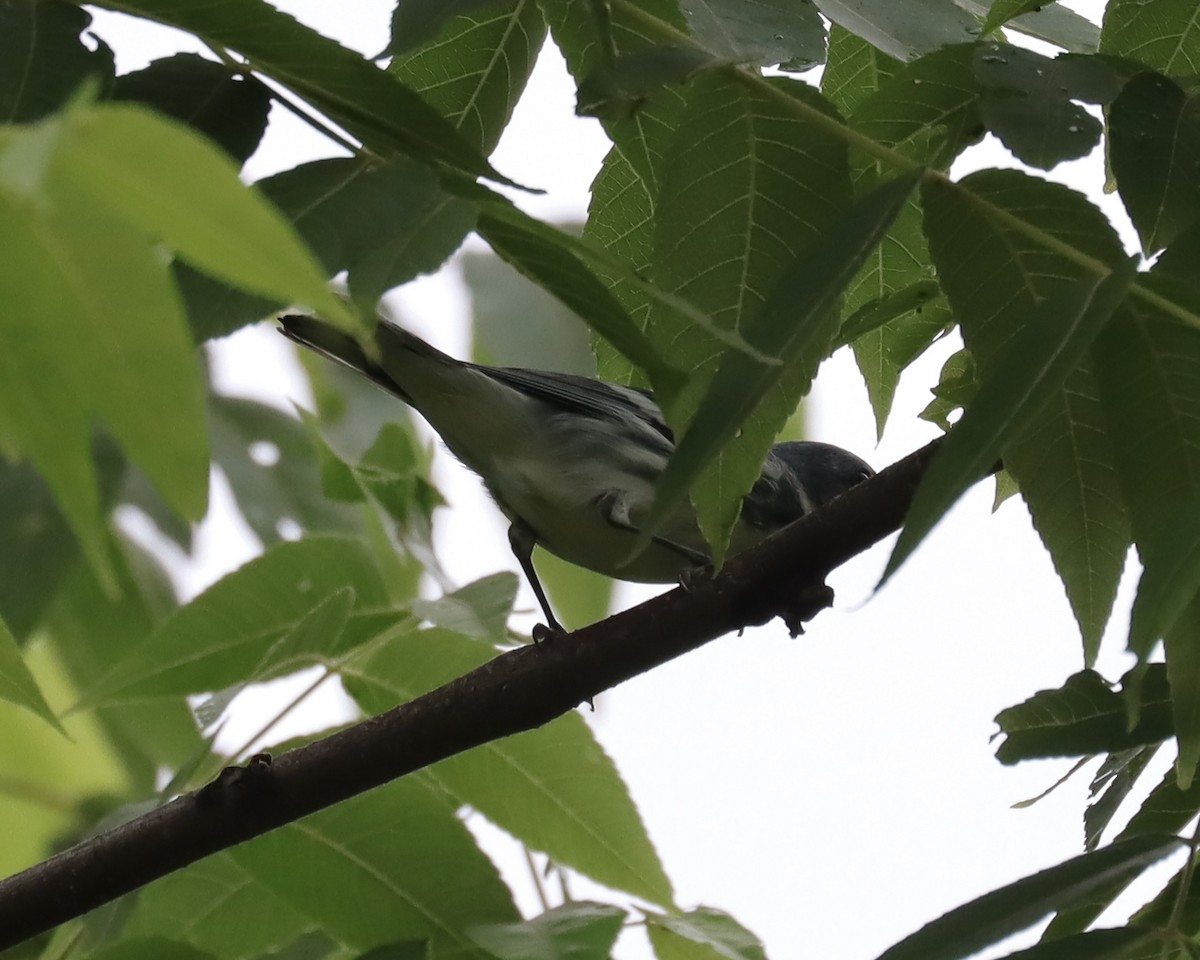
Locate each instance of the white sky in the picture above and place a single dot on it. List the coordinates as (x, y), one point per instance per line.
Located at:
(833, 792)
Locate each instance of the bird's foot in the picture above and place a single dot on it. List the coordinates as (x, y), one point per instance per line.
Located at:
(811, 600)
(694, 576)
(542, 631)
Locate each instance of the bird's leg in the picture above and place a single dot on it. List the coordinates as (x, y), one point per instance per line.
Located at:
(522, 540)
(614, 507)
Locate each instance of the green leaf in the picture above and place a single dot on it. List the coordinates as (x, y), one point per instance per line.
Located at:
(474, 70)
(1168, 808)
(553, 788)
(702, 934)
(854, 70)
(1149, 368)
(383, 223)
(759, 32)
(383, 113)
(224, 635)
(641, 139)
(154, 948)
(1051, 22)
(91, 630)
(36, 545)
(619, 89)
(578, 930)
(1169, 581)
(416, 22)
(17, 684)
(750, 186)
(904, 30)
(1029, 103)
(1002, 912)
(927, 110)
(1109, 789)
(231, 111)
(1085, 716)
(890, 316)
(216, 905)
(1183, 670)
(1064, 461)
(392, 864)
(1110, 943)
(1154, 147)
(480, 609)
(91, 328)
(1163, 35)
(957, 385)
(43, 59)
(797, 324)
(175, 185)
(1001, 11)
(1032, 368)
(267, 458)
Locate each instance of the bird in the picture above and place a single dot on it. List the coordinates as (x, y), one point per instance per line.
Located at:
(572, 461)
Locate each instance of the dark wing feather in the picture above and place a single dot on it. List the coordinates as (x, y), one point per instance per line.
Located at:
(586, 395)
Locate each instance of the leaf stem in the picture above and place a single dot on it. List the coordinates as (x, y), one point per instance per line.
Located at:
(285, 101)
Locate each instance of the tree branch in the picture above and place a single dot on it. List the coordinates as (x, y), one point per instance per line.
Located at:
(516, 691)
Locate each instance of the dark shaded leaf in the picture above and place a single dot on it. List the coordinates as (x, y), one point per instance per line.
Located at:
(1028, 103)
(1085, 716)
(1064, 461)
(229, 110)
(1113, 943)
(853, 70)
(1154, 146)
(353, 92)
(1111, 785)
(1182, 647)
(1149, 367)
(1032, 368)
(42, 58)
(37, 548)
(1002, 912)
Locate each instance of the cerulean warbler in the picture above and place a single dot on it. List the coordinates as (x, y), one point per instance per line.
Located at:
(572, 461)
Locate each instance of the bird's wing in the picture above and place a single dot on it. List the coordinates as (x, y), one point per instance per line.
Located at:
(586, 395)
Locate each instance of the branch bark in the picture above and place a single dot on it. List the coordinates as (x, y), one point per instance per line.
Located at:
(516, 691)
